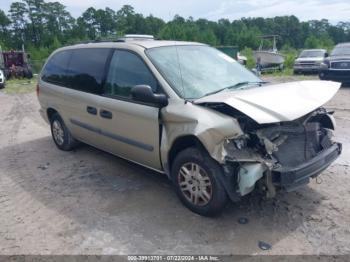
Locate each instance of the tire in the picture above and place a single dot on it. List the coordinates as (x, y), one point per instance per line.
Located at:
(200, 191)
(7, 74)
(61, 135)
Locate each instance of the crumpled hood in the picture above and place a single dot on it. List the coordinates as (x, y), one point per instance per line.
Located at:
(277, 102)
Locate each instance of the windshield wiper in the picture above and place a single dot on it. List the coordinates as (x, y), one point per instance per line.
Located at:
(240, 84)
(214, 92)
(237, 85)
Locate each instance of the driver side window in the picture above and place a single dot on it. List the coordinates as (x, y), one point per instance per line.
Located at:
(126, 71)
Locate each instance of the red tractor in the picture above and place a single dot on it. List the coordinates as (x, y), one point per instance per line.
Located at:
(15, 64)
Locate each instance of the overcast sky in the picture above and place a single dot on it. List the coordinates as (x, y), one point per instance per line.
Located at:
(333, 10)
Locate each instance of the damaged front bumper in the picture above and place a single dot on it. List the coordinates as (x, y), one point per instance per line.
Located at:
(280, 157)
(290, 178)
(241, 178)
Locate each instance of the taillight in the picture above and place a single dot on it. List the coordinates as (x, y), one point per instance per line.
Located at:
(37, 90)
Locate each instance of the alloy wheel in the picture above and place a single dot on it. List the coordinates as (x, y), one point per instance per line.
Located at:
(58, 132)
(195, 184)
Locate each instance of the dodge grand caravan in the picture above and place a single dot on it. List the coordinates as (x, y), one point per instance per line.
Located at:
(191, 112)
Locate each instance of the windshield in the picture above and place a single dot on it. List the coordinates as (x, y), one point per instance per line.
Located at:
(308, 53)
(195, 71)
(341, 50)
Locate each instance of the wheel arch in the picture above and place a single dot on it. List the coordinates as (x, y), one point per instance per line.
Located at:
(50, 112)
(180, 144)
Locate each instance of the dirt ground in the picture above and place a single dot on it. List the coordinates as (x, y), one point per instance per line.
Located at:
(90, 202)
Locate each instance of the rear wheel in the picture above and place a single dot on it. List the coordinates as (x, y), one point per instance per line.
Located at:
(60, 134)
(321, 76)
(195, 177)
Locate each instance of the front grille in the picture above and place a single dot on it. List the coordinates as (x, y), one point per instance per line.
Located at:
(307, 63)
(340, 65)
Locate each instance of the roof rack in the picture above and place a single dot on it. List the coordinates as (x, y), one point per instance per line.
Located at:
(133, 37)
(125, 38)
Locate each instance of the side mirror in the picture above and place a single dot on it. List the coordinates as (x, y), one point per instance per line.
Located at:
(144, 93)
(326, 54)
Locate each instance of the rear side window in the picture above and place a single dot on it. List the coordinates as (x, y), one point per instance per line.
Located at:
(55, 71)
(126, 71)
(87, 69)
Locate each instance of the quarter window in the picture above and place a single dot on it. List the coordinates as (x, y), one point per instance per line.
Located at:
(126, 71)
(55, 69)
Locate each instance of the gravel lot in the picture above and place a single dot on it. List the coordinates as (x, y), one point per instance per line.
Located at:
(90, 202)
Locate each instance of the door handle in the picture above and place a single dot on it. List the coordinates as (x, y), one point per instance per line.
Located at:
(106, 114)
(91, 110)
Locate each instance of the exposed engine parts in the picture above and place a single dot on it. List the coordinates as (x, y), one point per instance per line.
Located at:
(266, 152)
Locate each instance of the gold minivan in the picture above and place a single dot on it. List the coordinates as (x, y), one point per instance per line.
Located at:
(191, 112)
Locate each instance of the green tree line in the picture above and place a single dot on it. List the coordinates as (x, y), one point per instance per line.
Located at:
(44, 26)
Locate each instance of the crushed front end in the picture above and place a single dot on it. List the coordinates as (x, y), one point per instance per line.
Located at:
(280, 156)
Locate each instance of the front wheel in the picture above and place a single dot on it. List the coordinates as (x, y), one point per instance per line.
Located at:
(195, 177)
(322, 76)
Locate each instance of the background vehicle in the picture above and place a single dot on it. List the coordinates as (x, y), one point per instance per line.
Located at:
(309, 61)
(2, 79)
(233, 52)
(336, 67)
(15, 64)
(241, 59)
(204, 120)
(268, 58)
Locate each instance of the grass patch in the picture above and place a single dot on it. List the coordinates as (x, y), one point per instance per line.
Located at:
(20, 86)
(284, 72)
(287, 74)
